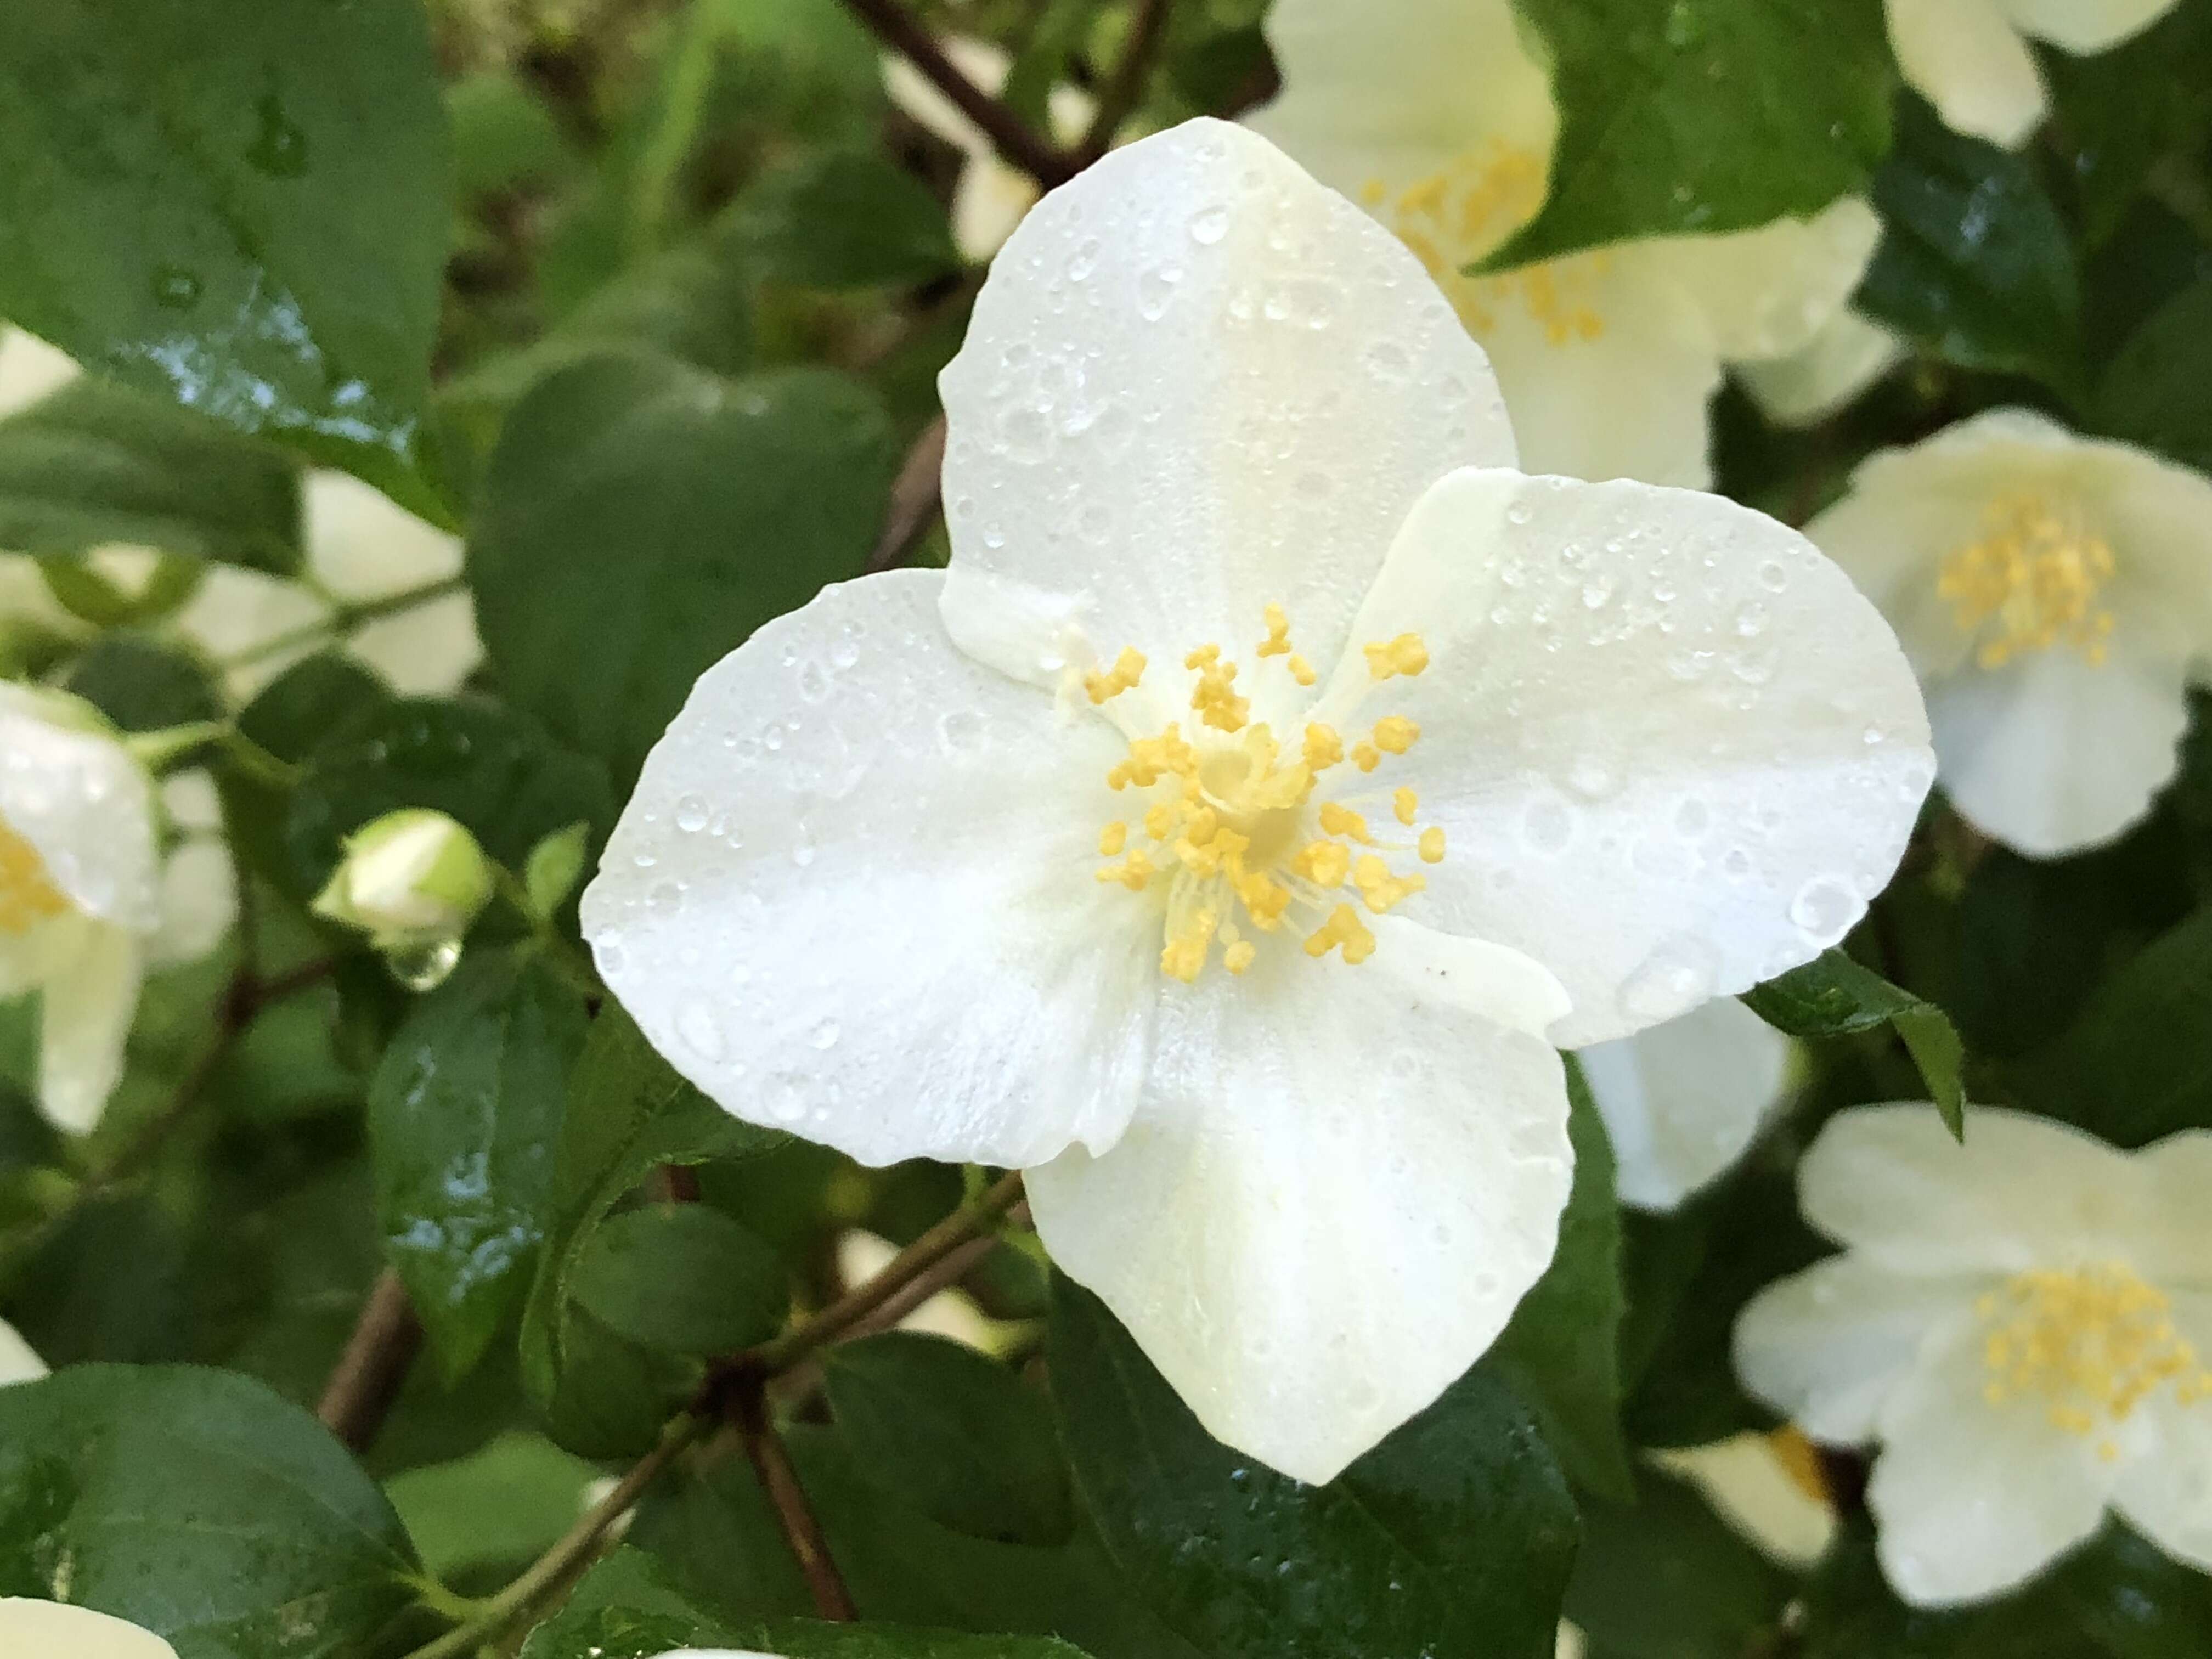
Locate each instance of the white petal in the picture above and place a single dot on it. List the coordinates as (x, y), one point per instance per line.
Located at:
(1965, 57)
(1768, 292)
(853, 895)
(192, 802)
(1673, 752)
(235, 612)
(362, 544)
(427, 651)
(2172, 1244)
(1750, 1485)
(1338, 1186)
(29, 369)
(1843, 358)
(88, 999)
(2051, 754)
(1827, 1346)
(19, 1362)
(199, 902)
(2165, 1493)
(2085, 26)
(1684, 1098)
(1969, 1499)
(55, 1630)
(1393, 89)
(84, 806)
(990, 199)
(1891, 1182)
(1196, 382)
(911, 92)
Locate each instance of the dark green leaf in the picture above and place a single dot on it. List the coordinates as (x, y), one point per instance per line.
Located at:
(1562, 1351)
(143, 686)
(1975, 262)
(95, 464)
(682, 1277)
(642, 518)
(201, 1506)
(1664, 1578)
(2158, 391)
(241, 205)
(1833, 996)
(463, 1115)
(1453, 1535)
(314, 701)
(1680, 115)
(2116, 115)
(956, 1433)
(841, 219)
(498, 1507)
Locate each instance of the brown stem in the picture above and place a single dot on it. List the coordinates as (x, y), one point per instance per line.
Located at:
(1119, 94)
(779, 1481)
(1009, 134)
(918, 1289)
(373, 1367)
(914, 496)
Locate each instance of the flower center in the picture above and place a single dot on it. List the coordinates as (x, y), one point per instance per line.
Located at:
(1466, 208)
(1231, 830)
(2031, 581)
(27, 896)
(2087, 1344)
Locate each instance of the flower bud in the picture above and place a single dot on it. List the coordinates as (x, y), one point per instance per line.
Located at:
(411, 879)
(30, 1626)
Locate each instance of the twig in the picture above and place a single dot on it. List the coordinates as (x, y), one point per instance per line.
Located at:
(915, 497)
(1009, 134)
(1121, 93)
(922, 1286)
(779, 1481)
(373, 1367)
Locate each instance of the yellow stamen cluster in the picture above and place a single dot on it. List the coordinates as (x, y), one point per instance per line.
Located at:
(2031, 582)
(1232, 822)
(27, 895)
(2087, 1344)
(1460, 213)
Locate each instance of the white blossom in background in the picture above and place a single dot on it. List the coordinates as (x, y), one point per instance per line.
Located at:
(198, 899)
(1972, 60)
(1275, 778)
(19, 1362)
(79, 897)
(1435, 115)
(991, 195)
(2054, 595)
(1768, 1486)
(29, 369)
(952, 1314)
(2022, 1323)
(1848, 354)
(1682, 1100)
(32, 1628)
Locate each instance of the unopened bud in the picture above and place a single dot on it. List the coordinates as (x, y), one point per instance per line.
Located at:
(411, 879)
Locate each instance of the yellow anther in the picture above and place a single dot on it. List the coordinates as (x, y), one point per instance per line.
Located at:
(1327, 862)
(1379, 887)
(1128, 668)
(1277, 642)
(1432, 845)
(1394, 734)
(1366, 757)
(1112, 839)
(1406, 655)
(27, 895)
(2089, 1344)
(1214, 698)
(1340, 820)
(1323, 747)
(1301, 670)
(1405, 803)
(1800, 1460)
(1133, 872)
(2031, 582)
(1184, 954)
(1342, 930)
(1238, 957)
(1160, 821)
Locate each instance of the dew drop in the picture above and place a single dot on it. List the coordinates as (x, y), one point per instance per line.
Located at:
(1209, 225)
(1772, 577)
(1388, 361)
(961, 731)
(691, 815)
(1674, 979)
(1548, 826)
(824, 1034)
(696, 1024)
(1825, 909)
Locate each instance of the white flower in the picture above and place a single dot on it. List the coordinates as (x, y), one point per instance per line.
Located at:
(1847, 354)
(2021, 1321)
(19, 1362)
(411, 879)
(57, 1629)
(2052, 593)
(1012, 863)
(991, 197)
(29, 369)
(1767, 1487)
(952, 1314)
(1682, 1100)
(78, 897)
(1434, 114)
(1971, 59)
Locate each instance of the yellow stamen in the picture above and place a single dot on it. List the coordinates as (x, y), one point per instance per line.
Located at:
(1112, 839)
(1432, 845)
(1396, 734)
(1215, 699)
(1277, 642)
(1301, 670)
(2031, 582)
(1327, 862)
(1323, 747)
(1339, 820)
(1128, 668)
(1366, 757)
(1238, 957)
(1406, 655)
(1343, 930)
(1406, 804)
(28, 895)
(1133, 872)
(2087, 1344)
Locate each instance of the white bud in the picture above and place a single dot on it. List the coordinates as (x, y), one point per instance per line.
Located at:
(411, 879)
(29, 1628)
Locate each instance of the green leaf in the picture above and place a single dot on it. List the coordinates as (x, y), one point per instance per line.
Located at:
(1453, 1535)
(2116, 115)
(1664, 1578)
(682, 1277)
(463, 1114)
(494, 771)
(1703, 116)
(143, 686)
(314, 702)
(199, 1505)
(95, 463)
(1975, 262)
(841, 219)
(549, 874)
(642, 517)
(955, 1432)
(2157, 391)
(1833, 996)
(242, 206)
(1562, 1351)
(500, 1506)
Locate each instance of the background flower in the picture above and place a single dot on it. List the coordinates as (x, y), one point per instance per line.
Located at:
(1972, 60)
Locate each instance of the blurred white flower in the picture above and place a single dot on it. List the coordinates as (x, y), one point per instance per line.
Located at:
(1007, 863)
(1848, 354)
(2022, 1323)
(18, 1362)
(991, 197)
(1767, 1487)
(1435, 115)
(1971, 59)
(952, 1314)
(29, 369)
(1682, 1099)
(2052, 592)
(199, 884)
(57, 1629)
(412, 879)
(78, 892)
